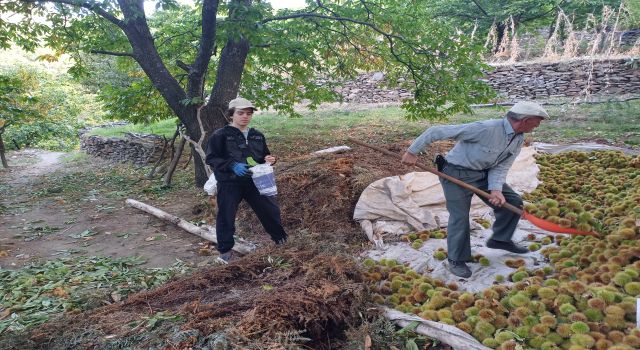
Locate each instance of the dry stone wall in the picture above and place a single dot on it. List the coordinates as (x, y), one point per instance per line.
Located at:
(566, 79)
(524, 80)
(368, 88)
(136, 148)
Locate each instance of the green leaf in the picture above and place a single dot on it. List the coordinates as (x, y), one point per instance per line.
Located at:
(410, 344)
(410, 328)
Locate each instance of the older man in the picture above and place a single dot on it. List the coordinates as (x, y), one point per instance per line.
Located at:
(481, 157)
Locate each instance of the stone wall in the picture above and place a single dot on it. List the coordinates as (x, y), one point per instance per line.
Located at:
(136, 148)
(565, 79)
(524, 80)
(366, 88)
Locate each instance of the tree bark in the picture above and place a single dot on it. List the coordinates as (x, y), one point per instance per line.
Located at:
(2, 156)
(225, 89)
(146, 54)
(185, 104)
(500, 29)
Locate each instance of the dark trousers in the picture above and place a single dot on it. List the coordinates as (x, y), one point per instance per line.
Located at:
(230, 194)
(458, 204)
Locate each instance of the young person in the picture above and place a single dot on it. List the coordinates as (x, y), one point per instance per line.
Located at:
(230, 151)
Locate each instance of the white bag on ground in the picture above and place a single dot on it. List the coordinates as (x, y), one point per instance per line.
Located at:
(211, 186)
(264, 179)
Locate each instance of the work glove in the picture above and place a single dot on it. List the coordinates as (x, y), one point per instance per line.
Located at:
(240, 169)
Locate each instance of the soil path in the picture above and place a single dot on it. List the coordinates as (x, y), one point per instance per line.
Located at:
(35, 228)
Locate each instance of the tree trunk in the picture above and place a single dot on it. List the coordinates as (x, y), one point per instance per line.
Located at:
(174, 162)
(211, 119)
(500, 29)
(225, 89)
(4, 159)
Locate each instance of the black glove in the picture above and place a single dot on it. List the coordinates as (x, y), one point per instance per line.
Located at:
(440, 162)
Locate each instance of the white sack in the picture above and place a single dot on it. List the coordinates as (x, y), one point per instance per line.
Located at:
(417, 198)
(211, 186)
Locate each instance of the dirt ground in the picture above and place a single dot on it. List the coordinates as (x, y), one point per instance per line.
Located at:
(37, 228)
(314, 275)
(317, 195)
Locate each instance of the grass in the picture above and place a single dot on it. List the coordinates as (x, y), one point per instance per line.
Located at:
(617, 122)
(114, 181)
(75, 157)
(163, 127)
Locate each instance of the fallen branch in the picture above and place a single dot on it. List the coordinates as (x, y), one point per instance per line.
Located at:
(208, 234)
(445, 333)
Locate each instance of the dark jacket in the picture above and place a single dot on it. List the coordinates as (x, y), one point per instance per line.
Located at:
(228, 145)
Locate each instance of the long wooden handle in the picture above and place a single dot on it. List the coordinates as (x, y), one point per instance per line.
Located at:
(475, 190)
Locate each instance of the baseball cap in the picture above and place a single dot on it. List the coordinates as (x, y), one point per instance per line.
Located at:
(241, 103)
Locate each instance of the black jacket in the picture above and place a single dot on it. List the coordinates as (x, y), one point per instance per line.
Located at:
(228, 145)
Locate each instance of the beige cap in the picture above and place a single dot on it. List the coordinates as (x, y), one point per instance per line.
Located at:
(241, 103)
(528, 108)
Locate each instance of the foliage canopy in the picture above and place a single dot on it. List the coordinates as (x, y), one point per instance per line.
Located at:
(219, 49)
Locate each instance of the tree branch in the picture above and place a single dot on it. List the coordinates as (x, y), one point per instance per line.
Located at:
(332, 18)
(366, 7)
(92, 7)
(480, 7)
(388, 36)
(206, 45)
(183, 65)
(171, 37)
(543, 14)
(111, 53)
(198, 145)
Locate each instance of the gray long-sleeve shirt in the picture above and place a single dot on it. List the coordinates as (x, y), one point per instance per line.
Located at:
(489, 145)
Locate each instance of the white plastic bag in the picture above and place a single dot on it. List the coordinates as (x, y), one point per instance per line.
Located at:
(211, 186)
(264, 179)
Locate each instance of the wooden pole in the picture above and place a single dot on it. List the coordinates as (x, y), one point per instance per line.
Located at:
(475, 190)
(208, 234)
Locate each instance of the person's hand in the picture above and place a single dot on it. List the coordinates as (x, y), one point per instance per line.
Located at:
(497, 198)
(270, 159)
(240, 169)
(409, 158)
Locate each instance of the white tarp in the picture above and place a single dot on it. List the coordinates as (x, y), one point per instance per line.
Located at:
(420, 195)
(581, 146)
(415, 201)
(422, 260)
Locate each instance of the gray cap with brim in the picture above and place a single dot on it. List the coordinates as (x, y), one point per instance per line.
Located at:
(529, 108)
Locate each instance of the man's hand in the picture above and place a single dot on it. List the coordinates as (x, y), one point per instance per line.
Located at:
(270, 159)
(409, 158)
(497, 198)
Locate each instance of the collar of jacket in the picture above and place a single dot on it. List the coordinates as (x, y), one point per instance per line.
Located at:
(508, 129)
(233, 129)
